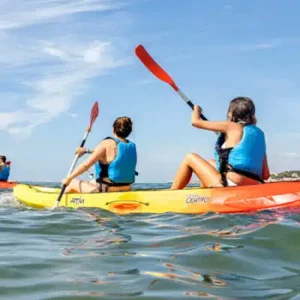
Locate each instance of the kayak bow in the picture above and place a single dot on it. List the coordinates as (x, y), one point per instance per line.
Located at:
(7, 184)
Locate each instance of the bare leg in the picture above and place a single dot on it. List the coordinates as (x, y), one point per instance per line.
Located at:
(213, 163)
(80, 186)
(207, 174)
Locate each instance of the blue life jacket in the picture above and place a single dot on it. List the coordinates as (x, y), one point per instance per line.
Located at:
(121, 170)
(247, 157)
(4, 173)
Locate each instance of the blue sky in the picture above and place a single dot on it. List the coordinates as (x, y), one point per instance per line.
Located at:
(59, 56)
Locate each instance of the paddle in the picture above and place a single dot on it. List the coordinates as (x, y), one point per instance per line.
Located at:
(93, 117)
(161, 74)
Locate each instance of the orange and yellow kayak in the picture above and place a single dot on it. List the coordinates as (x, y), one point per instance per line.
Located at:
(190, 200)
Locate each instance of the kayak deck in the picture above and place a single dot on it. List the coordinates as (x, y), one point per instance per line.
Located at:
(189, 200)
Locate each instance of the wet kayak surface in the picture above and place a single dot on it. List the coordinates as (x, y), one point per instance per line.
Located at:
(93, 254)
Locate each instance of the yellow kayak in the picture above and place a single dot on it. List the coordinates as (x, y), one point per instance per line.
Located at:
(189, 200)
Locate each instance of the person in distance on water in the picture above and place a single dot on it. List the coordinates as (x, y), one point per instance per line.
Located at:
(4, 168)
(116, 157)
(240, 150)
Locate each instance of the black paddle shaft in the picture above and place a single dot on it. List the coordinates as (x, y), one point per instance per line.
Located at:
(191, 105)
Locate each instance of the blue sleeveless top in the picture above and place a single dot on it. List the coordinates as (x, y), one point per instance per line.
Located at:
(249, 154)
(4, 173)
(122, 168)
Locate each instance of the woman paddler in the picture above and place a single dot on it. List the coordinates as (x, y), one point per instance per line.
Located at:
(116, 157)
(240, 150)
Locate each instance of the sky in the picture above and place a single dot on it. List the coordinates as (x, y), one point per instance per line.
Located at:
(57, 57)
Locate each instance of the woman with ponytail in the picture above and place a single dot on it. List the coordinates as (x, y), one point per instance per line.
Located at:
(240, 150)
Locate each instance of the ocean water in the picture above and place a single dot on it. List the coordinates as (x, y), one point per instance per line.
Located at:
(94, 254)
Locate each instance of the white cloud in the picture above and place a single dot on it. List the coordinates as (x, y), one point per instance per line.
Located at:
(9, 118)
(265, 46)
(145, 81)
(260, 46)
(270, 44)
(54, 52)
(49, 72)
(290, 154)
(73, 115)
(229, 7)
(21, 13)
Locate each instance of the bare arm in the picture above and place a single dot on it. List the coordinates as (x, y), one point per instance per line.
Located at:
(266, 171)
(216, 126)
(98, 153)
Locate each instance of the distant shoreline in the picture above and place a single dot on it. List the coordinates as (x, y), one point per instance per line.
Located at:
(283, 179)
(293, 175)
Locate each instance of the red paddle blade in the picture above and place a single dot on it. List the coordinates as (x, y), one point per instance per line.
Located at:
(153, 67)
(94, 115)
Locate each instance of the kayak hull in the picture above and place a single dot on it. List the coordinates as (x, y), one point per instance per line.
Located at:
(189, 201)
(7, 185)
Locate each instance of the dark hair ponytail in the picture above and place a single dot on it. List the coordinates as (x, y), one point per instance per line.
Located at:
(242, 110)
(122, 127)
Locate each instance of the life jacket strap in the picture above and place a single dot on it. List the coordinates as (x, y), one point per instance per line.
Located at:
(100, 180)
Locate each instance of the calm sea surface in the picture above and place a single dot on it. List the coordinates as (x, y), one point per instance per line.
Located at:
(94, 254)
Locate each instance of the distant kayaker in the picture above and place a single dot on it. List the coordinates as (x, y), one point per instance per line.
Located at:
(4, 168)
(116, 157)
(240, 150)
